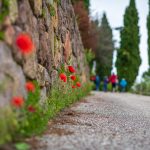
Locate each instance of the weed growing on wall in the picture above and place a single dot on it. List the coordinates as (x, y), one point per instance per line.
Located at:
(29, 116)
(32, 118)
(4, 11)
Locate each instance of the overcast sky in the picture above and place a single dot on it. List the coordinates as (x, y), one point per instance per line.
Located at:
(115, 10)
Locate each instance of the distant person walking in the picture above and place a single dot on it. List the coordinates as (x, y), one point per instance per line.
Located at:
(113, 80)
(105, 83)
(123, 85)
(97, 82)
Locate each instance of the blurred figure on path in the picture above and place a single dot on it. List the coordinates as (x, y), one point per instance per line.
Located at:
(93, 78)
(97, 82)
(105, 83)
(113, 80)
(123, 84)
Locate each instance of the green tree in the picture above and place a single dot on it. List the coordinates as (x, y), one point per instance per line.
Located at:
(86, 3)
(148, 41)
(128, 59)
(148, 28)
(104, 52)
(147, 73)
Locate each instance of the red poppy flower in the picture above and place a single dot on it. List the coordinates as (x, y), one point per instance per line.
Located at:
(24, 43)
(73, 77)
(17, 101)
(71, 69)
(78, 84)
(73, 87)
(30, 87)
(63, 77)
(31, 109)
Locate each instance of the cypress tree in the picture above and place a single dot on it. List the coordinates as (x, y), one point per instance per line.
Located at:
(104, 52)
(147, 73)
(128, 59)
(148, 28)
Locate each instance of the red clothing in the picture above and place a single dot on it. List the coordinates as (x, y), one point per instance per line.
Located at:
(92, 78)
(113, 78)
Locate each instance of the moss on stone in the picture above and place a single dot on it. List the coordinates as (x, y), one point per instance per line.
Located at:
(58, 2)
(52, 10)
(2, 35)
(44, 13)
(56, 44)
(4, 11)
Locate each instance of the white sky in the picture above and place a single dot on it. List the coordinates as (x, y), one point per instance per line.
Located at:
(115, 10)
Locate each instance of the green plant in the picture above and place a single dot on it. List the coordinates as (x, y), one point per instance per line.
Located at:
(17, 123)
(143, 87)
(22, 146)
(86, 3)
(44, 13)
(52, 10)
(4, 11)
(8, 124)
(2, 35)
(58, 1)
(32, 120)
(89, 55)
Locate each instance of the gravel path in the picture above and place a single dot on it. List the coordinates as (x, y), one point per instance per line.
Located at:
(103, 121)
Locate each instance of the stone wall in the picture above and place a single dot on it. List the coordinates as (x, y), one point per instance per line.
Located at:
(53, 28)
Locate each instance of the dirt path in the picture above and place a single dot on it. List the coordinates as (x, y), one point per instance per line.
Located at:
(103, 121)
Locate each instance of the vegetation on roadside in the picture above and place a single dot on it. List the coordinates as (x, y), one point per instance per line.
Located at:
(31, 118)
(25, 117)
(143, 87)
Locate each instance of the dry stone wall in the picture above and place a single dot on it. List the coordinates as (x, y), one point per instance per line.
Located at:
(53, 28)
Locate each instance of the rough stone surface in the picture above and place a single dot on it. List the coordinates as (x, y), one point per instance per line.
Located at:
(12, 79)
(56, 38)
(30, 65)
(102, 121)
(37, 7)
(42, 76)
(9, 34)
(13, 10)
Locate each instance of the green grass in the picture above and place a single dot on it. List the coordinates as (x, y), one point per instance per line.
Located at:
(142, 88)
(15, 125)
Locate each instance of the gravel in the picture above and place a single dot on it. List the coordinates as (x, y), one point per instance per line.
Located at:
(103, 121)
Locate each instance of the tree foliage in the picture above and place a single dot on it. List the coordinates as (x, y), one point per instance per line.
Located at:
(148, 29)
(85, 2)
(86, 26)
(147, 73)
(95, 37)
(104, 51)
(128, 59)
